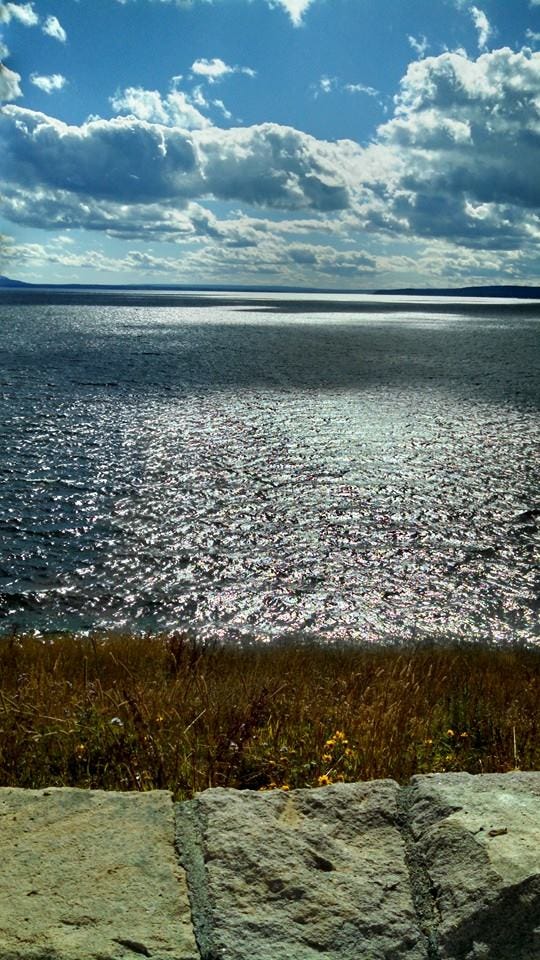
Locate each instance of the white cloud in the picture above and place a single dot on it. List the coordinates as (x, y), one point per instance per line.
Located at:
(53, 28)
(9, 84)
(532, 34)
(23, 12)
(334, 84)
(295, 8)
(466, 133)
(361, 88)
(327, 84)
(455, 169)
(175, 110)
(133, 160)
(216, 69)
(419, 45)
(483, 26)
(48, 83)
(222, 108)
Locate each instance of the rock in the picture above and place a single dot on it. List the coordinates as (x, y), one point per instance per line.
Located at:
(446, 869)
(293, 876)
(90, 875)
(479, 841)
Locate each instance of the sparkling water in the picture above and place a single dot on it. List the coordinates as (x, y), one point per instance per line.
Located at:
(255, 470)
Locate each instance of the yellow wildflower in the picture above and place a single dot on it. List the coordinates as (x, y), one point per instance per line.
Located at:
(464, 735)
(285, 786)
(324, 780)
(330, 743)
(327, 756)
(450, 733)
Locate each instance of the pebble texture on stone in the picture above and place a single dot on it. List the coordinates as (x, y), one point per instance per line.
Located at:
(447, 868)
(90, 875)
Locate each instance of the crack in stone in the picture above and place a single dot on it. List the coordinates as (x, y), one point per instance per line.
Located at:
(420, 884)
(190, 853)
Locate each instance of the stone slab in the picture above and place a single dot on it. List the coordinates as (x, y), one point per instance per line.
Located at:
(479, 839)
(299, 875)
(91, 875)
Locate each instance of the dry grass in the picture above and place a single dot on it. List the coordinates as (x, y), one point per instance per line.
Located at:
(139, 713)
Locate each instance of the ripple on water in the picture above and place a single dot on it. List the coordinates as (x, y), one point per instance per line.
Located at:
(252, 475)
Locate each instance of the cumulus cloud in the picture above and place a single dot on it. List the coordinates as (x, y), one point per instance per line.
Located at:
(134, 160)
(273, 256)
(53, 28)
(23, 12)
(124, 158)
(465, 138)
(175, 110)
(216, 69)
(48, 84)
(51, 209)
(456, 165)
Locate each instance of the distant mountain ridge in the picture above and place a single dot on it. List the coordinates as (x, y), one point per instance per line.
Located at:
(504, 290)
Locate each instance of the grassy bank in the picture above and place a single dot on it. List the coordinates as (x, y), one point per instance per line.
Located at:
(140, 713)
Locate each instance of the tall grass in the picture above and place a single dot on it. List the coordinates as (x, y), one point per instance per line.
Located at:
(138, 713)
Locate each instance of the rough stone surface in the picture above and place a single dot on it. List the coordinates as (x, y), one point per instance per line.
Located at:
(445, 869)
(89, 875)
(299, 875)
(479, 839)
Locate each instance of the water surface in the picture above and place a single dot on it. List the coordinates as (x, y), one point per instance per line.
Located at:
(251, 467)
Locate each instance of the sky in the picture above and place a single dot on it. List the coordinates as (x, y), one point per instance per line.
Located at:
(351, 144)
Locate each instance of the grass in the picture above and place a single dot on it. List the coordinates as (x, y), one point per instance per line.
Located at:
(140, 713)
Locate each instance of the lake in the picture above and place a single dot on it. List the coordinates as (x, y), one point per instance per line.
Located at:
(255, 467)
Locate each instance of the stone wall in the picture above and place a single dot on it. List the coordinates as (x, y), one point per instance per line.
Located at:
(446, 868)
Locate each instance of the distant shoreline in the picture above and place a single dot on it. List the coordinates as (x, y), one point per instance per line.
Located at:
(525, 292)
(277, 301)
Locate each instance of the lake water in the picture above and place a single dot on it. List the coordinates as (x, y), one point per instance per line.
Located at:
(252, 467)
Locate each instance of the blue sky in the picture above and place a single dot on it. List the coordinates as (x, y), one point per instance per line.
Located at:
(333, 143)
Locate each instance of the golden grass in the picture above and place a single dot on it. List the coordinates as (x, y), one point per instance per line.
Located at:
(130, 713)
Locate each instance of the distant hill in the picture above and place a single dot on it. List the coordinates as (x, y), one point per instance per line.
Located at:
(524, 292)
(505, 290)
(6, 282)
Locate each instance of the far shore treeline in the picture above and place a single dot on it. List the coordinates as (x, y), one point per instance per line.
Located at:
(138, 713)
(519, 291)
